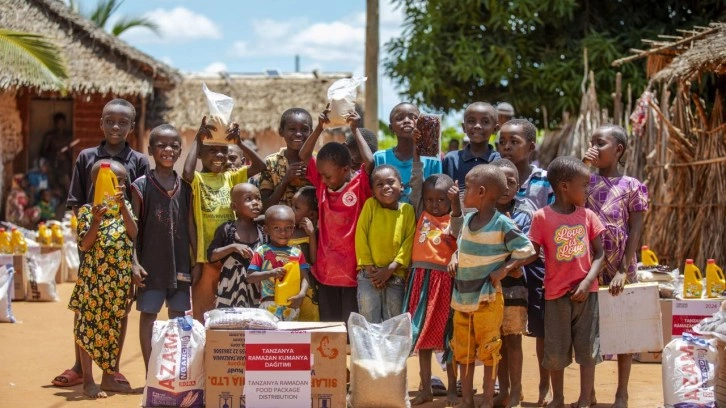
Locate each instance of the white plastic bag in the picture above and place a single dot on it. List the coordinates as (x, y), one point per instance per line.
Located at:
(6, 284)
(176, 367)
(690, 365)
(72, 260)
(378, 362)
(341, 95)
(220, 112)
(240, 318)
(714, 326)
(41, 276)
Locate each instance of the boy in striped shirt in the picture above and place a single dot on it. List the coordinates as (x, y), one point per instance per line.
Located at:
(490, 248)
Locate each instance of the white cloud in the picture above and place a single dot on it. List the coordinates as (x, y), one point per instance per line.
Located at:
(215, 67)
(176, 25)
(167, 60)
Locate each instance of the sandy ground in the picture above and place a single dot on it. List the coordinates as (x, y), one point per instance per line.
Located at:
(40, 347)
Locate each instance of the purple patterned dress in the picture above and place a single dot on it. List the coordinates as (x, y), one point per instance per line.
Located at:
(613, 199)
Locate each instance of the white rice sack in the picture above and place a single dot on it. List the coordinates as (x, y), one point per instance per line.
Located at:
(690, 365)
(176, 367)
(341, 95)
(240, 318)
(41, 276)
(6, 284)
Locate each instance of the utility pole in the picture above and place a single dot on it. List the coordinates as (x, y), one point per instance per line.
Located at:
(370, 120)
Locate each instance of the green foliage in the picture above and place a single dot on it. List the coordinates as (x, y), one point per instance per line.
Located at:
(33, 58)
(104, 9)
(527, 52)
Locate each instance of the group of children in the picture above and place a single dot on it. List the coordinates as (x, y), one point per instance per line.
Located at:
(480, 248)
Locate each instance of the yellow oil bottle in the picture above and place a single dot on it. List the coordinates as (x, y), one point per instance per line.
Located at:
(289, 285)
(44, 234)
(5, 247)
(74, 223)
(715, 281)
(17, 242)
(692, 281)
(105, 188)
(56, 235)
(647, 257)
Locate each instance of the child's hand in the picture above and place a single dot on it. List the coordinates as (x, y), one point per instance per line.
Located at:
(516, 273)
(295, 171)
(580, 294)
(97, 211)
(323, 118)
(233, 134)
(196, 273)
(618, 283)
(119, 196)
(353, 120)
(205, 130)
(296, 301)
(380, 276)
(277, 273)
(591, 156)
(307, 226)
(243, 250)
(498, 275)
(453, 265)
(139, 275)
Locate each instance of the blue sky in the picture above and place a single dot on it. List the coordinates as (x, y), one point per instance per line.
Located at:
(251, 36)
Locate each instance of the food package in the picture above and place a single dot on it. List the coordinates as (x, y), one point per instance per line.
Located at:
(429, 144)
(41, 276)
(378, 362)
(240, 318)
(176, 368)
(714, 326)
(341, 95)
(6, 285)
(690, 365)
(220, 112)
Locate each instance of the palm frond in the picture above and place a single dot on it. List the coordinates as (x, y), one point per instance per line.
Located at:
(33, 58)
(124, 23)
(103, 11)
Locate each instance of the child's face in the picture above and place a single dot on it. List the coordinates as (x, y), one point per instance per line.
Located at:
(513, 145)
(280, 228)
(354, 156)
(403, 120)
(214, 158)
(480, 122)
(165, 148)
(235, 158)
(333, 176)
(576, 189)
(477, 193)
(302, 209)
(47, 196)
(436, 200)
(246, 201)
(296, 131)
(387, 188)
(117, 121)
(512, 186)
(609, 150)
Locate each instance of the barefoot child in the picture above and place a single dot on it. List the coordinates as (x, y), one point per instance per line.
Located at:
(403, 119)
(568, 233)
(285, 172)
(103, 293)
(268, 263)
(212, 189)
(490, 236)
(428, 296)
(383, 243)
(233, 245)
(341, 194)
(117, 122)
(305, 237)
(162, 263)
(620, 202)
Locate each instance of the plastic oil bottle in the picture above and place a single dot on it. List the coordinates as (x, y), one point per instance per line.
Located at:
(56, 233)
(105, 188)
(289, 285)
(44, 234)
(648, 257)
(17, 241)
(715, 281)
(692, 281)
(5, 247)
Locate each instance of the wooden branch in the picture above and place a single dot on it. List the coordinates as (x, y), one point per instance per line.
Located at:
(702, 34)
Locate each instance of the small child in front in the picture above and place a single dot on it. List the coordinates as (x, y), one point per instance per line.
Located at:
(103, 293)
(305, 206)
(383, 243)
(477, 300)
(268, 262)
(569, 234)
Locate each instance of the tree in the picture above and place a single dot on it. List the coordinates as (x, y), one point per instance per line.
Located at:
(527, 52)
(104, 9)
(33, 58)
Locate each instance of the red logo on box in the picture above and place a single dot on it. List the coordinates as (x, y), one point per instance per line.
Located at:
(278, 357)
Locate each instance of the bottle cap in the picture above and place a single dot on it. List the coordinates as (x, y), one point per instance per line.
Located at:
(13, 229)
(711, 261)
(105, 165)
(689, 261)
(644, 247)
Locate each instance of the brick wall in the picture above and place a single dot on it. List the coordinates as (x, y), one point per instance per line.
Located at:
(87, 110)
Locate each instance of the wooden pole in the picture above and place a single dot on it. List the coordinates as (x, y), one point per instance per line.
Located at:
(371, 65)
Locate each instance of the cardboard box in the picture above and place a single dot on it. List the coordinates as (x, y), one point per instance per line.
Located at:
(20, 278)
(61, 273)
(631, 321)
(224, 360)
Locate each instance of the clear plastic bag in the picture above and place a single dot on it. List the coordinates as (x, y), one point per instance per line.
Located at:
(341, 95)
(240, 318)
(429, 144)
(714, 326)
(6, 284)
(378, 362)
(220, 112)
(72, 260)
(41, 277)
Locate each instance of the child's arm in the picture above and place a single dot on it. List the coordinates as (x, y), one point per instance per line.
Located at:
(509, 267)
(259, 276)
(416, 183)
(190, 163)
(97, 212)
(366, 155)
(635, 227)
(272, 197)
(309, 229)
(306, 151)
(257, 163)
(534, 257)
(296, 301)
(218, 250)
(583, 288)
(139, 273)
(128, 217)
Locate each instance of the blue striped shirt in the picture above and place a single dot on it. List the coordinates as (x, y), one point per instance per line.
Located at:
(535, 192)
(482, 252)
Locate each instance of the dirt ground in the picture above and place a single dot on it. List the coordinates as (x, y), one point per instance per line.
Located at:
(40, 347)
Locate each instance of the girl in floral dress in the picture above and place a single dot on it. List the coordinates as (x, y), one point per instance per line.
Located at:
(103, 292)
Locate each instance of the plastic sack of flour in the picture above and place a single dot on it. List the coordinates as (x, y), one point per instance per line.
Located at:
(41, 277)
(6, 283)
(176, 367)
(341, 95)
(220, 112)
(240, 318)
(690, 365)
(72, 260)
(378, 354)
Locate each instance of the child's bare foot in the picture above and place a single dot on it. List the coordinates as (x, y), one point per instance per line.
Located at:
(422, 397)
(502, 399)
(515, 397)
(92, 391)
(620, 401)
(463, 404)
(544, 391)
(109, 384)
(451, 398)
(557, 403)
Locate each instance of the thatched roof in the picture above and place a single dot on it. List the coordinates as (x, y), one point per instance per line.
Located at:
(259, 100)
(683, 57)
(97, 61)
